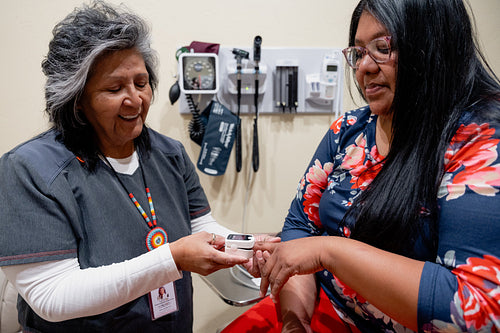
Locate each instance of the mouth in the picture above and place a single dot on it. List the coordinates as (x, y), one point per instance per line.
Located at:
(373, 88)
(129, 117)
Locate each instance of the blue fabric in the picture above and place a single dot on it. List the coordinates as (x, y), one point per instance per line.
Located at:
(467, 268)
(53, 208)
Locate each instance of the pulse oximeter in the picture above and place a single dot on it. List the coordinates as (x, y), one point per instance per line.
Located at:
(240, 244)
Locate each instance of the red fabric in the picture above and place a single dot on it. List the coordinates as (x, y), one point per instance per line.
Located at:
(202, 47)
(263, 318)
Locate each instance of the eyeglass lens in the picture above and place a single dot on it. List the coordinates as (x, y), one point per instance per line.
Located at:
(379, 50)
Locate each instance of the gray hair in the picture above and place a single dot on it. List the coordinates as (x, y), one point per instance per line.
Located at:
(79, 39)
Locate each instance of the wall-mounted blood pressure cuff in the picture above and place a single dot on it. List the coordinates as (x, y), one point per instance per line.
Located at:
(218, 139)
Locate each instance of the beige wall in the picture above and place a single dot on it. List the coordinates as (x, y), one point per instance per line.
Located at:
(287, 142)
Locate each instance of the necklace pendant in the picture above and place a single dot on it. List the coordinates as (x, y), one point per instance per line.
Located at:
(156, 238)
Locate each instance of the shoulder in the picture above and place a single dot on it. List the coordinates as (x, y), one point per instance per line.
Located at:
(165, 144)
(483, 112)
(347, 129)
(353, 120)
(43, 154)
(472, 158)
(474, 129)
(169, 150)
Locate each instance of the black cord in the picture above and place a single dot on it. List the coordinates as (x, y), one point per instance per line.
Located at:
(238, 127)
(255, 149)
(196, 127)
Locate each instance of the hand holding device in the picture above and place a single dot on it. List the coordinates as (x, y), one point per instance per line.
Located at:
(240, 244)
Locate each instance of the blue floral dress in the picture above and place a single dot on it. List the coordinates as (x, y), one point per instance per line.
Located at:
(460, 288)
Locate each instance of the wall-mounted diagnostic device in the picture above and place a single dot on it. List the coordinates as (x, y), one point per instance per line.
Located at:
(329, 72)
(302, 80)
(322, 86)
(252, 81)
(199, 73)
(286, 85)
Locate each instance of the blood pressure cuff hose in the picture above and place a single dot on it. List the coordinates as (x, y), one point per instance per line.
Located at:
(218, 139)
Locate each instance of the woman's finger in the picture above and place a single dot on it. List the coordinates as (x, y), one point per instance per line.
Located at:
(265, 268)
(278, 279)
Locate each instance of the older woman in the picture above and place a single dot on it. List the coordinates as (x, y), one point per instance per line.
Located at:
(98, 212)
(406, 189)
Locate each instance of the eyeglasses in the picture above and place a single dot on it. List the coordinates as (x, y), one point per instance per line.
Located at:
(378, 49)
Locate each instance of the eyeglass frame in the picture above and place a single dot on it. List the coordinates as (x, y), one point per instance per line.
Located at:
(365, 51)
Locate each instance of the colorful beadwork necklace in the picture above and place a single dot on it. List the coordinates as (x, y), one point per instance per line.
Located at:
(157, 236)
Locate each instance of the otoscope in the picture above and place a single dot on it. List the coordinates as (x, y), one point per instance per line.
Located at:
(239, 55)
(256, 58)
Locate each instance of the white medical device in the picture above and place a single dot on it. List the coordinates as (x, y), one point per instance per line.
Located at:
(198, 73)
(328, 77)
(240, 244)
(321, 88)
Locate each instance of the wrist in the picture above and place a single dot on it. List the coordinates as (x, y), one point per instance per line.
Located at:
(325, 243)
(167, 258)
(176, 252)
(330, 245)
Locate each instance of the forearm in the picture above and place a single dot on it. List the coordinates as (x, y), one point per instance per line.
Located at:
(60, 290)
(297, 300)
(209, 224)
(388, 281)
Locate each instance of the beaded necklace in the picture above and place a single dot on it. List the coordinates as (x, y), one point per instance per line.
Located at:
(157, 236)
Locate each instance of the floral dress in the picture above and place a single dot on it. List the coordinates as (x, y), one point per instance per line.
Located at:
(460, 288)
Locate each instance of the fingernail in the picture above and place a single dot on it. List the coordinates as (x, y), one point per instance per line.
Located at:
(273, 298)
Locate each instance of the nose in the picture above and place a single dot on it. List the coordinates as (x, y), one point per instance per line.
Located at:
(367, 64)
(133, 97)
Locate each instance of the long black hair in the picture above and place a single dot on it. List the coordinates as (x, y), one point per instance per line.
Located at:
(79, 41)
(441, 73)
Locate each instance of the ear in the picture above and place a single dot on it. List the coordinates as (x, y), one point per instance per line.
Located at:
(78, 105)
(79, 109)
(79, 114)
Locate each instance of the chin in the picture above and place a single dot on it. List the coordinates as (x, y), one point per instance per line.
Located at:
(379, 109)
(132, 135)
(136, 134)
(138, 128)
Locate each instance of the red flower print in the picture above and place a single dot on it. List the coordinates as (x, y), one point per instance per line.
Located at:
(335, 127)
(302, 183)
(355, 153)
(347, 291)
(347, 232)
(479, 291)
(351, 120)
(362, 174)
(471, 152)
(317, 176)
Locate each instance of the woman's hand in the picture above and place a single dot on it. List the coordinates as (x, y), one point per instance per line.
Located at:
(258, 260)
(200, 253)
(295, 257)
(367, 270)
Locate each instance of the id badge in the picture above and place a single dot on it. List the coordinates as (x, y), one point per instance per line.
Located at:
(163, 301)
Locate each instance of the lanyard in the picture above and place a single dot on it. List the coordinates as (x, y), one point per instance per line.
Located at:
(157, 236)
